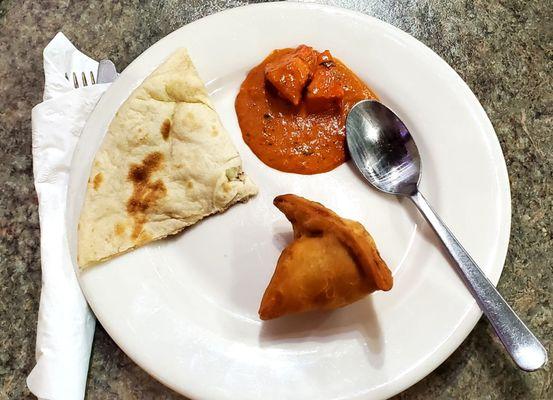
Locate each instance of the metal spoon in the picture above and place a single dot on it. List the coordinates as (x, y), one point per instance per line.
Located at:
(387, 156)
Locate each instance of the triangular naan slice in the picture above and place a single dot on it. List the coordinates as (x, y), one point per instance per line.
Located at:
(165, 163)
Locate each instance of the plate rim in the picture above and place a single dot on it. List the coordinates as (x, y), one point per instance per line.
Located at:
(432, 360)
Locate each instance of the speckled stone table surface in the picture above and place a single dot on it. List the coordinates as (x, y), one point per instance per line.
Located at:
(503, 50)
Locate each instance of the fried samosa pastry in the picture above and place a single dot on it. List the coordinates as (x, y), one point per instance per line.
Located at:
(331, 263)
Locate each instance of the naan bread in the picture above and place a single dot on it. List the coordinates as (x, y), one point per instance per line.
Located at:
(165, 163)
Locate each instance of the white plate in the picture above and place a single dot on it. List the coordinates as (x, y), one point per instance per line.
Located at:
(185, 309)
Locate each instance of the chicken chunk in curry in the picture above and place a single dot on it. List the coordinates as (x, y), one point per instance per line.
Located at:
(290, 73)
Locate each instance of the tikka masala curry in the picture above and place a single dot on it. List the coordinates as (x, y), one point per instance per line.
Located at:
(292, 109)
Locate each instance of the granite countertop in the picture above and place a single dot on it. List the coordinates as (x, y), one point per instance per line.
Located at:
(502, 49)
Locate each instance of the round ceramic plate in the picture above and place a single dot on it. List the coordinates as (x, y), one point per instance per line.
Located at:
(185, 308)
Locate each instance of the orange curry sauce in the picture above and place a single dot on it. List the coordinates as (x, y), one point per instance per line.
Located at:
(292, 109)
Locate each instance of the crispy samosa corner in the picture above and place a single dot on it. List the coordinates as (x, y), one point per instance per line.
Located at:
(332, 262)
(165, 163)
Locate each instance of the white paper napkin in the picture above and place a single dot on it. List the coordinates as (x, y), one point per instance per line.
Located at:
(65, 323)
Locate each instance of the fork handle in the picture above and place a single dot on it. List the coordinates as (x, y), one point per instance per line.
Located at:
(523, 347)
(106, 72)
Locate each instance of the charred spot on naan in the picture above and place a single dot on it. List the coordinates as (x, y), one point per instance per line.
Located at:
(97, 181)
(146, 192)
(145, 196)
(139, 174)
(165, 128)
(144, 237)
(119, 229)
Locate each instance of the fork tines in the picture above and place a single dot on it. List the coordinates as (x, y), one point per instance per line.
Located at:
(84, 81)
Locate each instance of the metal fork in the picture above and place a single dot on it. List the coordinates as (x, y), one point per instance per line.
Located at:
(84, 81)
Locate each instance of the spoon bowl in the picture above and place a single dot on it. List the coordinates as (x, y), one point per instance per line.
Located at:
(382, 148)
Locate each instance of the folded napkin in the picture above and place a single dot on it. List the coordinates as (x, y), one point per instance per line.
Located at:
(65, 323)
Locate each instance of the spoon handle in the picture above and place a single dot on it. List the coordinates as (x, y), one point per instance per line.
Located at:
(525, 350)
